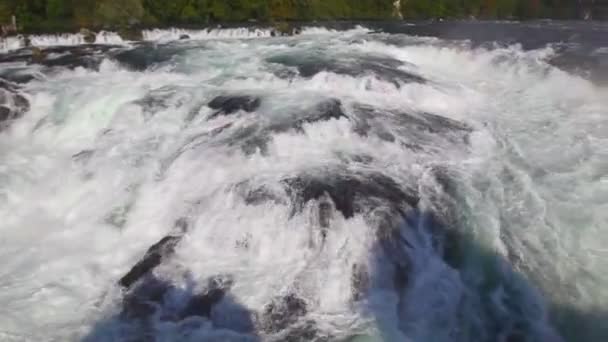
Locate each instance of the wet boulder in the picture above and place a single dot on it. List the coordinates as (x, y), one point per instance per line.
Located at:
(154, 256)
(184, 37)
(226, 105)
(88, 36)
(325, 215)
(154, 296)
(5, 113)
(325, 110)
(416, 130)
(131, 34)
(383, 68)
(144, 56)
(12, 104)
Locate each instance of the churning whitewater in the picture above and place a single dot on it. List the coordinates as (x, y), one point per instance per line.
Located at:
(338, 185)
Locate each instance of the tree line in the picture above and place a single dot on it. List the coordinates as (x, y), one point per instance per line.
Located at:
(62, 15)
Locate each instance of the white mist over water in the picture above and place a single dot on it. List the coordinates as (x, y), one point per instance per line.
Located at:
(532, 190)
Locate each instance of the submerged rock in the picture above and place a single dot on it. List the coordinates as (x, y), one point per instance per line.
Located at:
(383, 68)
(184, 37)
(170, 302)
(131, 34)
(89, 36)
(144, 56)
(350, 194)
(12, 104)
(5, 113)
(38, 55)
(226, 105)
(325, 214)
(324, 111)
(415, 130)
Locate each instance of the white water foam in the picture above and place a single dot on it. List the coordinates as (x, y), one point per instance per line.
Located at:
(163, 35)
(160, 35)
(14, 43)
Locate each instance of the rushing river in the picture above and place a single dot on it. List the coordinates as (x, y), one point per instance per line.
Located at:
(385, 182)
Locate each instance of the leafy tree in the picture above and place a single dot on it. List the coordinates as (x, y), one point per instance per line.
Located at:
(72, 14)
(124, 12)
(59, 9)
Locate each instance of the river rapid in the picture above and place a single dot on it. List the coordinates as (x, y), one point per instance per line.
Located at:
(375, 182)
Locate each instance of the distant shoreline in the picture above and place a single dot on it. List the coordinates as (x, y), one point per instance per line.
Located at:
(329, 24)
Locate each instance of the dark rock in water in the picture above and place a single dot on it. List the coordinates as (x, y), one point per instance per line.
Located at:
(184, 37)
(17, 76)
(283, 312)
(437, 124)
(226, 105)
(27, 42)
(145, 56)
(281, 29)
(86, 56)
(323, 111)
(83, 155)
(38, 55)
(386, 69)
(154, 256)
(131, 34)
(421, 121)
(153, 296)
(255, 136)
(350, 194)
(21, 103)
(419, 129)
(88, 36)
(12, 104)
(151, 260)
(201, 304)
(325, 214)
(327, 110)
(5, 113)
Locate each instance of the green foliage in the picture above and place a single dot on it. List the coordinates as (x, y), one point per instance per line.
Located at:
(41, 15)
(5, 12)
(58, 9)
(118, 13)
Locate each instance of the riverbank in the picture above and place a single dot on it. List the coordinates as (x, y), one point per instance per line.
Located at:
(53, 16)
